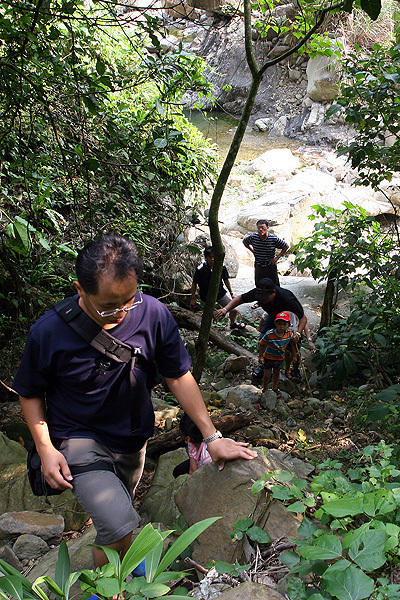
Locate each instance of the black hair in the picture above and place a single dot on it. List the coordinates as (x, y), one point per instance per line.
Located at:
(208, 251)
(262, 222)
(109, 253)
(189, 429)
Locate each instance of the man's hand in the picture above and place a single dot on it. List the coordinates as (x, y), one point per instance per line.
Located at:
(193, 303)
(55, 469)
(223, 449)
(221, 312)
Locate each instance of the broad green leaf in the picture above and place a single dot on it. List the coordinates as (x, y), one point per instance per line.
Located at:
(63, 566)
(382, 341)
(223, 567)
(349, 363)
(243, 524)
(296, 588)
(344, 507)
(326, 547)
(297, 507)
(258, 535)
(369, 552)
(372, 8)
(183, 542)
(107, 587)
(281, 492)
(307, 528)
(12, 585)
(348, 584)
(152, 561)
(290, 559)
(153, 590)
(51, 585)
(169, 576)
(161, 143)
(283, 476)
(258, 486)
(143, 544)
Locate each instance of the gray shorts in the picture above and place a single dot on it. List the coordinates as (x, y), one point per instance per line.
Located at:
(106, 497)
(223, 301)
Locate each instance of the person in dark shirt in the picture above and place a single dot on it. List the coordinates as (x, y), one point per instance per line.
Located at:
(202, 279)
(81, 408)
(263, 245)
(273, 300)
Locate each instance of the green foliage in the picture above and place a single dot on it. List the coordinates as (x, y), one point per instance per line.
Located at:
(348, 547)
(370, 98)
(110, 580)
(92, 139)
(246, 527)
(351, 250)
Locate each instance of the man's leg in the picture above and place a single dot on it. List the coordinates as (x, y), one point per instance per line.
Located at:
(104, 495)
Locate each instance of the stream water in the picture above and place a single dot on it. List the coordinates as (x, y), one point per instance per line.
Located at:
(220, 128)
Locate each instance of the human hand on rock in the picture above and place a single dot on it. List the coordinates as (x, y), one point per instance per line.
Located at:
(223, 449)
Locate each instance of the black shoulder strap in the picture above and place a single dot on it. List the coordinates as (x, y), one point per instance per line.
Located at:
(70, 311)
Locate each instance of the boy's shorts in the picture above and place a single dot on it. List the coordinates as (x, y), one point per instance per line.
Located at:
(106, 497)
(223, 301)
(272, 364)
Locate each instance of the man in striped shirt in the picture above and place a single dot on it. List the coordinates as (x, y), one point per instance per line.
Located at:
(263, 245)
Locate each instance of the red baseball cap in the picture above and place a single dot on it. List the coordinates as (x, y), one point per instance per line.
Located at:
(282, 316)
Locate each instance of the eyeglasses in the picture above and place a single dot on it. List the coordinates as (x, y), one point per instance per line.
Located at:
(111, 313)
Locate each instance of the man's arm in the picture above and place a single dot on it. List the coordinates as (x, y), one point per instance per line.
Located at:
(302, 324)
(228, 286)
(186, 391)
(55, 467)
(221, 312)
(278, 256)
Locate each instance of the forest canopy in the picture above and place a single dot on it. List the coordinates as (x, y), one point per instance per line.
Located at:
(92, 134)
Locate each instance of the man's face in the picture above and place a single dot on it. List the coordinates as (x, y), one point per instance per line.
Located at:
(265, 296)
(281, 326)
(210, 260)
(112, 294)
(262, 230)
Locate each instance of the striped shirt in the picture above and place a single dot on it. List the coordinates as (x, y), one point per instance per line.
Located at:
(276, 346)
(264, 250)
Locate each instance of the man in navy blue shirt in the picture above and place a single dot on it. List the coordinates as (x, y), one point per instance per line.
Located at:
(263, 245)
(79, 405)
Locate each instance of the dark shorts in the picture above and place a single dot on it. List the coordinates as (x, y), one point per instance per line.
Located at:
(106, 497)
(272, 364)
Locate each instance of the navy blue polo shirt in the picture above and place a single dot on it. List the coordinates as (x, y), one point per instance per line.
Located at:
(284, 300)
(88, 395)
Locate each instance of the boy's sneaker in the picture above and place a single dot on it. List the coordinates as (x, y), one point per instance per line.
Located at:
(140, 570)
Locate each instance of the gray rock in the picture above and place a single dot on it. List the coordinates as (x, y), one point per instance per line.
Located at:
(30, 546)
(158, 504)
(221, 385)
(257, 432)
(268, 400)
(8, 555)
(234, 364)
(210, 492)
(16, 494)
(251, 591)
(248, 394)
(47, 526)
(323, 76)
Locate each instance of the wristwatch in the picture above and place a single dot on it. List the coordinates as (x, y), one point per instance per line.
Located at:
(212, 437)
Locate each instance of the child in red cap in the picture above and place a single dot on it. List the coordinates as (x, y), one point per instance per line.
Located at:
(272, 350)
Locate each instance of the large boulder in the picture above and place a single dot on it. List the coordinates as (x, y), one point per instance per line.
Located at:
(210, 492)
(16, 494)
(251, 591)
(274, 163)
(323, 76)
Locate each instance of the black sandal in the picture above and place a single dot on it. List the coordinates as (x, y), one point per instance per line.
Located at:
(238, 326)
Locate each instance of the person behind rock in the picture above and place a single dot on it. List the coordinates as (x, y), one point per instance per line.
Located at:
(202, 279)
(82, 407)
(197, 449)
(272, 347)
(263, 245)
